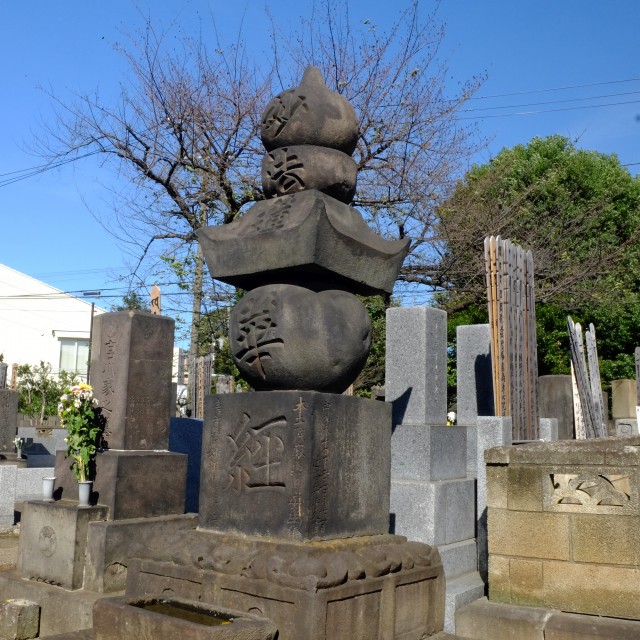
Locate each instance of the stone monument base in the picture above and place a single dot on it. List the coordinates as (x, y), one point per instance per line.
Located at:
(363, 588)
(133, 484)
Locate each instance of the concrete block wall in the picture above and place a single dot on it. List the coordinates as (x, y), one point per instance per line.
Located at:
(563, 520)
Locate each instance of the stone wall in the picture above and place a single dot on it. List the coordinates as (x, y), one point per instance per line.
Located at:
(563, 519)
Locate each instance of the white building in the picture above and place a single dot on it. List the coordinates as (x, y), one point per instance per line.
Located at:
(39, 322)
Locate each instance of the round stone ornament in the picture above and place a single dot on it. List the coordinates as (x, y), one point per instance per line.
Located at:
(310, 114)
(284, 336)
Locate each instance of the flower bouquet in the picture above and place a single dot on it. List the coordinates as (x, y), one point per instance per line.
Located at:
(77, 413)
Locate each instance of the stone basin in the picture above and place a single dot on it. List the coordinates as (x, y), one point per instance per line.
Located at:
(150, 617)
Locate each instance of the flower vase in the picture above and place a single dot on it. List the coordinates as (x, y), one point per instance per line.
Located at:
(47, 489)
(19, 454)
(84, 492)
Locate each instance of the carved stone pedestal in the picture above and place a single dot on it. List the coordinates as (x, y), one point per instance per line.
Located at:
(300, 465)
(365, 588)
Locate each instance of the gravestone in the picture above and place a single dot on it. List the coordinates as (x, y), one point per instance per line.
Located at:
(623, 399)
(295, 477)
(137, 480)
(432, 499)
(555, 400)
(8, 418)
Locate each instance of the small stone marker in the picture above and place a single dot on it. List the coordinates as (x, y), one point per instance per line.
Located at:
(156, 302)
(19, 619)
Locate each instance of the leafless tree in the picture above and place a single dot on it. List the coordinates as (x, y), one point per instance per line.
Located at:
(184, 134)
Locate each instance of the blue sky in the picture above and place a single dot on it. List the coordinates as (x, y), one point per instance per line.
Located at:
(524, 47)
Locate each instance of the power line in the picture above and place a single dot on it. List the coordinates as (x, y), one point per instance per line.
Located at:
(535, 104)
(532, 113)
(575, 86)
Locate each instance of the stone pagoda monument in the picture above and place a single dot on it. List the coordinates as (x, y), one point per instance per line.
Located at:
(294, 501)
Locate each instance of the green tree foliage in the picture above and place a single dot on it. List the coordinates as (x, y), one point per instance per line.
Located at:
(131, 301)
(579, 213)
(40, 391)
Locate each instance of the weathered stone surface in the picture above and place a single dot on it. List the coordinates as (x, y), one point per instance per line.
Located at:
(293, 169)
(306, 238)
(8, 418)
(133, 484)
(474, 373)
(310, 114)
(483, 620)
(459, 558)
(524, 488)
(461, 590)
(19, 619)
(369, 588)
(416, 365)
(133, 617)
(53, 537)
(112, 544)
(610, 540)
(623, 399)
(555, 400)
(420, 452)
(511, 533)
(435, 513)
(8, 479)
(570, 626)
(289, 337)
(295, 464)
(626, 426)
(548, 429)
(131, 360)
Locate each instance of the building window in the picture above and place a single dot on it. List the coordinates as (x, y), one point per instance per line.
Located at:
(74, 356)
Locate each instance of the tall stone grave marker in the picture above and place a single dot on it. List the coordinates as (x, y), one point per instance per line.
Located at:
(294, 497)
(8, 418)
(556, 401)
(432, 500)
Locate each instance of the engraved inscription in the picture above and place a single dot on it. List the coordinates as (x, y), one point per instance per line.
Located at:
(258, 335)
(321, 475)
(590, 491)
(211, 463)
(286, 172)
(108, 389)
(258, 451)
(274, 218)
(294, 521)
(280, 111)
(47, 541)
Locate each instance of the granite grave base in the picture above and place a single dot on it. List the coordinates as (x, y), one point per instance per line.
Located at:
(300, 465)
(364, 588)
(133, 484)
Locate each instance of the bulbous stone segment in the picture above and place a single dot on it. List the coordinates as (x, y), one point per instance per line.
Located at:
(284, 336)
(291, 169)
(310, 114)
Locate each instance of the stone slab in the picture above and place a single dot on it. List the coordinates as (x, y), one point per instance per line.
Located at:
(8, 418)
(461, 590)
(435, 513)
(60, 611)
(623, 398)
(19, 619)
(483, 620)
(555, 400)
(43, 440)
(420, 452)
(29, 481)
(295, 464)
(53, 541)
(112, 544)
(491, 433)
(474, 373)
(548, 429)
(416, 365)
(131, 363)
(570, 626)
(185, 436)
(626, 426)
(132, 484)
(459, 558)
(8, 480)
